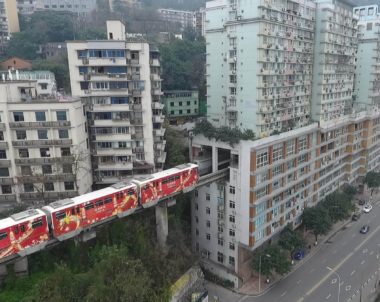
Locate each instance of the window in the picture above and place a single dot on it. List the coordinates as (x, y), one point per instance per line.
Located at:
(65, 152)
(20, 134)
(172, 112)
(1, 136)
(231, 260)
(37, 224)
(262, 192)
(196, 232)
(67, 168)
(61, 116)
(40, 116)
(23, 153)
(207, 196)
(28, 188)
(262, 159)
(290, 148)
(196, 206)
(60, 215)
(3, 235)
(262, 177)
(302, 144)
(171, 103)
(4, 172)
(220, 229)
(208, 223)
(3, 154)
(18, 116)
(63, 133)
(232, 246)
(220, 257)
(277, 152)
(232, 233)
(232, 204)
(26, 170)
(69, 185)
(6, 189)
(89, 206)
(232, 218)
(232, 190)
(180, 104)
(196, 193)
(44, 152)
(208, 210)
(277, 170)
(208, 236)
(42, 134)
(46, 169)
(220, 241)
(49, 186)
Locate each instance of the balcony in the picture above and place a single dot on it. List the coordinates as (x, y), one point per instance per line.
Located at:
(44, 160)
(159, 132)
(160, 145)
(135, 77)
(137, 135)
(48, 195)
(4, 163)
(136, 92)
(156, 91)
(2, 126)
(157, 105)
(3, 145)
(161, 158)
(113, 166)
(48, 142)
(45, 178)
(138, 150)
(155, 62)
(137, 107)
(158, 119)
(6, 181)
(28, 125)
(8, 197)
(155, 77)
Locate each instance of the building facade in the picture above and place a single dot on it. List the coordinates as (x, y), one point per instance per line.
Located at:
(316, 118)
(80, 7)
(27, 7)
(184, 18)
(44, 148)
(120, 81)
(9, 19)
(181, 104)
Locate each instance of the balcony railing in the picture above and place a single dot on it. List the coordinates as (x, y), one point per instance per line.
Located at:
(44, 160)
(40, 124)
(5, 163)
(48, 142)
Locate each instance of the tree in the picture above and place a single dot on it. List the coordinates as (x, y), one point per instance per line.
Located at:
(81, 164)
(338, 205)
(372, 180)
(350, 190)
(317, 220)
(177, 151)
(291, 240)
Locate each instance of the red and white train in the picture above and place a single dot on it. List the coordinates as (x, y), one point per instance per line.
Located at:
(29, 231)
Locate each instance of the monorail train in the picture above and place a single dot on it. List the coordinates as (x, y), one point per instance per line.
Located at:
(29, 231)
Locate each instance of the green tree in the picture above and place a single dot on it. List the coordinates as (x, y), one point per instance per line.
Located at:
(350, 190)
(372, 180)
(339, 206)
(273, 259)
(176, 148)
(317, 220)
(291, 240)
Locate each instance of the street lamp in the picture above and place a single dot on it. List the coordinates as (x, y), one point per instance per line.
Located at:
(268, 256)
(330, 269)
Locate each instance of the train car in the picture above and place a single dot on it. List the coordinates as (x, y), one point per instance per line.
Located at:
(69, 217)
(23, 233)
(156, 186)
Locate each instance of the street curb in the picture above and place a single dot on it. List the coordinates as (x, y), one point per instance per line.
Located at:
(300, 264)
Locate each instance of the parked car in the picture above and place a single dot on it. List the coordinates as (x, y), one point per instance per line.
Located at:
(299, 254)
(367, 208)
(356, 216)
(364, 229)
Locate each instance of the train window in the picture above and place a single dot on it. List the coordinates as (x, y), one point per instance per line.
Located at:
(15, 229)
(73, 211)
(171, 179)
(164, 181)
(107, 200)
(60, 215)
(3, 235)
(177, 177)
(99, 203)
(89, 206)
(78, 210)
(37, 224)
(130, 192)
(22, 228)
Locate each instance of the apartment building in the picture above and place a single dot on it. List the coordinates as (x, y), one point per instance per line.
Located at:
(9, 19)
(199, 21)
(44, 152)
(183, 18)
(294, 88)
(27, 7)
(277, 49)
(125, 3)
(181, 104)
(119, 79)
(80, 7)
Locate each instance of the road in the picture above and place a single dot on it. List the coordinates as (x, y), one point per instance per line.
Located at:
(354, 256)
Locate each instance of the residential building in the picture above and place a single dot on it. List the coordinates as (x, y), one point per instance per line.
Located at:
(119, 79)
(199, 21)
(181, 104)
(80, 7)
(125, 3)
(52, 50)
(44, 151)
(291, 75)
(277, 49)
(27, 7)
(15, 63)
(9, 19)
(183, 18)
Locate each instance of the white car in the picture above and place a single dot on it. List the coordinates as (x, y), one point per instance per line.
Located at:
(367, 208)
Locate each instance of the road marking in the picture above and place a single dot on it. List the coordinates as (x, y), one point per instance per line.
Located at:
(362, 262)
(342, 262)
(328, 297)
(348, 287)
(283, 294)
(299, 281)
(353, 272)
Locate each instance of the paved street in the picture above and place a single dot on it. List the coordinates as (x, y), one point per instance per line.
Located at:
(354, 256)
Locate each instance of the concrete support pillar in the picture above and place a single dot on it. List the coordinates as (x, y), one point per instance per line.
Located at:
(21, 266)
(162, 228)
(214, 159)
